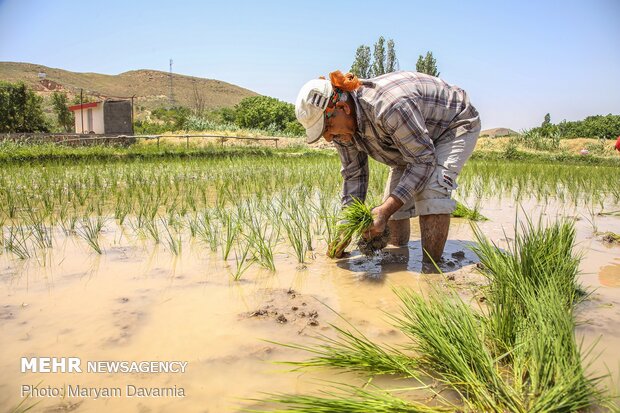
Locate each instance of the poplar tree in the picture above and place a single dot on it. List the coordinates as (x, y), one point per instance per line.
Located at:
(63, 114)
(391, 63)
(378, 64)
(382, 61)
(361, 65)
(427, 65)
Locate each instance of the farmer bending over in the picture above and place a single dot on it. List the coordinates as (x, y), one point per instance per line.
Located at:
(420, 126)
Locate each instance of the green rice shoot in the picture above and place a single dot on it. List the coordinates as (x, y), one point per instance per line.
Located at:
(356, 218)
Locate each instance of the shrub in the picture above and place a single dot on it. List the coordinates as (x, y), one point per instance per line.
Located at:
(599, 126)
(263, 112)
(540, 139)
(20, 109)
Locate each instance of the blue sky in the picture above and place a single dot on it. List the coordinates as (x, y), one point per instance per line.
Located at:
(517, 59)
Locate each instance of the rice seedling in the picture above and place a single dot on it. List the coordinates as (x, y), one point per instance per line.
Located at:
(262, 242)
(122, 208)
(16, 242)
(208, 230)
(591, 218)
(152, 230)
(89, 230)
(41, 234)
(329, 219)
(356, 218)
(243, 259)
(192, 224)
(295, 234)
(231, 230)
(173, 242)
(69, 223)
(9, 203)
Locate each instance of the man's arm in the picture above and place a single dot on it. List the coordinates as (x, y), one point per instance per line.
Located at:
(354, 172)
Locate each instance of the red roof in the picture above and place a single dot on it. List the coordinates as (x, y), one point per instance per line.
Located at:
(83, 106)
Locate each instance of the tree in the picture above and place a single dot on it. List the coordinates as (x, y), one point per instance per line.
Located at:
(547, 128)
(361, 65)
(174, 118)
(20, 109)
(63, 114)
(427, 65)
(264, 112)
(382, 62)
(198, 101)
(391, 63)
(378, 64)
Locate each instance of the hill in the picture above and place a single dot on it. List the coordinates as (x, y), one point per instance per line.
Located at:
(497, 132)
(150, 87)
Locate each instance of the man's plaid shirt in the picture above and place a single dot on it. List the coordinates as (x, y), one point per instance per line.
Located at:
(400, 115)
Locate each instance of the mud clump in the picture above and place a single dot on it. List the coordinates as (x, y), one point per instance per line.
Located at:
(459, 255)
(369, 247)
(286, 307)
(610, 238)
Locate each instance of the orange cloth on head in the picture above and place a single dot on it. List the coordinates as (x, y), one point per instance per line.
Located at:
(348, 82)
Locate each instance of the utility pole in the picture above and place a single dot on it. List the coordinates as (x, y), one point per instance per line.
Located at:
(82, 108)
(171, 91)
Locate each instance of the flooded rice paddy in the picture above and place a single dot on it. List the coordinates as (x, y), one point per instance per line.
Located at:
(155, 282)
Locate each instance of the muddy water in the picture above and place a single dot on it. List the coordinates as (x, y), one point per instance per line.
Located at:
(138, 302)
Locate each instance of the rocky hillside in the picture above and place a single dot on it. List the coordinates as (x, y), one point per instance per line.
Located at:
(150, 87)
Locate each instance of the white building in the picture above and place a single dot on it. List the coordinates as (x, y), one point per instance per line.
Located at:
(88, 117)
(107, 117)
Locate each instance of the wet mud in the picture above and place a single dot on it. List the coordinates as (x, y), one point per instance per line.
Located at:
(137, 301)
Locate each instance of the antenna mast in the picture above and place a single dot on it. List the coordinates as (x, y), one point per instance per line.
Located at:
(171, 91)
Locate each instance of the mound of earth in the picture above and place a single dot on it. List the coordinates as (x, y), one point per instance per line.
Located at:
(498, 132)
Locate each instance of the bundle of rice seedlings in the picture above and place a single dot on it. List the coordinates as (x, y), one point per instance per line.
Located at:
(348, 399)
(518, 353)
(451, 342)
(538, 259)
(462, 211)
(356, 218)
(546, 358)
(353, 351)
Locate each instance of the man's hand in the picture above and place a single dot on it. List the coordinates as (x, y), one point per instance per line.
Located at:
(378, 224)
(381, 215)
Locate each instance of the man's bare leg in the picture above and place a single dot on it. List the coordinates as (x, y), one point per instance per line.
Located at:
(400, 230)
(434, 229)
